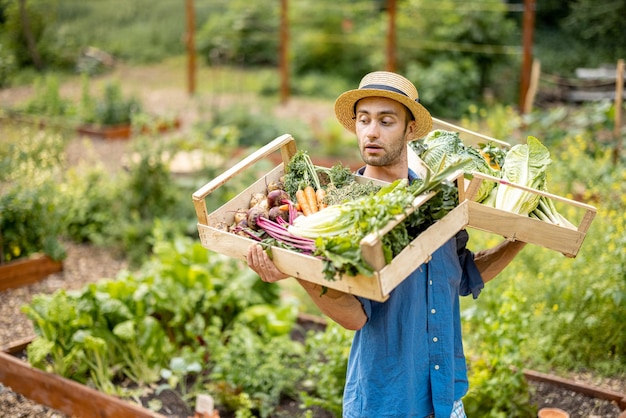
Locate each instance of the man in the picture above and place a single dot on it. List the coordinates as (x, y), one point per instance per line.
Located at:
(406, 358)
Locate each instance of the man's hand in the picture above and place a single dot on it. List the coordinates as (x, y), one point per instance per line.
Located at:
(260, 262)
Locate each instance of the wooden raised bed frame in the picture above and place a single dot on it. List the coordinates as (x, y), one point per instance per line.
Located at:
(64, 395)
(26, 271)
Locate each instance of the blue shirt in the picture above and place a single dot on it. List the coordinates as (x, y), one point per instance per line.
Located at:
(408, 360)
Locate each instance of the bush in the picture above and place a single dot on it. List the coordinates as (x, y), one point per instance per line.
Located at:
(111, 108)
(446, 88)
(30, 209)
(29, 221)
(244, 34)
(7, 65)
(47, 101)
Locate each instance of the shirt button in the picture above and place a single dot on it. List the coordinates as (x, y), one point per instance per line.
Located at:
(435, 339)
(430, 282)
(436, 367)
(433, 311)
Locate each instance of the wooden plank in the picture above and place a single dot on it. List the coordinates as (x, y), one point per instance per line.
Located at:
(292, 263)
(593, 391)
(469, 137)
(602, 73)
(421, 249)
(590, 96)
(523, 228)
(285, 143)
(27, 271)
(65, 395)
(16, 346)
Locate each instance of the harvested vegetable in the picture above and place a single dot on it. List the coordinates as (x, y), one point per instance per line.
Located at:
(300, 172)
(257, 198)
(277, 197)
(254, 214)
(303, 202)
(339, 229)
(311, 198)
(526, 165)
(320, 194)
(349, 191)
(439, 143)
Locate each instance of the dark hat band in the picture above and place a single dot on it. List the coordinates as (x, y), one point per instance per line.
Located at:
(387, 88)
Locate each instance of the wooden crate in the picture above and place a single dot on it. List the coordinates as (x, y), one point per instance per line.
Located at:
(513, 226)
(376, 287)
(523, 228)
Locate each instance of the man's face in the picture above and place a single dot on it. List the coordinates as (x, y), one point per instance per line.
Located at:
(382, 130)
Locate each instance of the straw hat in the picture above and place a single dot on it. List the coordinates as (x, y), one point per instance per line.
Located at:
(384, 84)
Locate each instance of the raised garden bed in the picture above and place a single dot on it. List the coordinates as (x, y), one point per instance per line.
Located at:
(63, 394)
(26, 271)
(124, 131)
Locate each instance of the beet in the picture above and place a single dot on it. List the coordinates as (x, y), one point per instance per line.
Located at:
(254, 214)
(277, 197)
(276, 213)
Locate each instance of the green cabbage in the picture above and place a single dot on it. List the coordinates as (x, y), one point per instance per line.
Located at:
(439, 143)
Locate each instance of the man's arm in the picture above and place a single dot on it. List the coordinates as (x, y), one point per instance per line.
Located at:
(343, 308)
(492, 261)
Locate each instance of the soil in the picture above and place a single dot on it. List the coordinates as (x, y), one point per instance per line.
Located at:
(86, 263)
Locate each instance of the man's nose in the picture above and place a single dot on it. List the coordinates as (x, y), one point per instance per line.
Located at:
(373, 129)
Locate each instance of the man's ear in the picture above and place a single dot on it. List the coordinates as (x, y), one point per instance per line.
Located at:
(411, 128)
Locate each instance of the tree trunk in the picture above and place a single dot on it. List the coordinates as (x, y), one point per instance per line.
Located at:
(28, 34)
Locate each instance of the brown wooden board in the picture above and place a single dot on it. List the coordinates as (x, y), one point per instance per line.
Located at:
(27, 271)
(64, 395)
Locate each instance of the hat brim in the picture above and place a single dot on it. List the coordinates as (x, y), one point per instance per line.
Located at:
(344, 109)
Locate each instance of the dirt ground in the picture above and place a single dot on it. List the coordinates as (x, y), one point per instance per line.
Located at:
(162, 90)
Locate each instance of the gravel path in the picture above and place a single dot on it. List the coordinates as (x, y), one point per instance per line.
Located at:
(84, 264)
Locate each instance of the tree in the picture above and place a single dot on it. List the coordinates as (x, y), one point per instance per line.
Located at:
(599, 24)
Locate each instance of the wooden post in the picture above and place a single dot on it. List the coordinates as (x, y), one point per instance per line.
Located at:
(527, 40)
(191, 48)
(284, 52)
(532, 87)
(391, 36)
(619, 98)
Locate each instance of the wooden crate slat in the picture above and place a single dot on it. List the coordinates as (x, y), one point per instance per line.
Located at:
(533, 231)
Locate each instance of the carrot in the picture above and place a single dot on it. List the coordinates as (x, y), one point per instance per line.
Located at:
(309, 193)
(320, 194)
(284, 208)
(303, 202)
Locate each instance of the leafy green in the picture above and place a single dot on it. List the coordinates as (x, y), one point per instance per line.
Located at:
(299, 173)
(525, 165)
(134, 318)
(439, 143)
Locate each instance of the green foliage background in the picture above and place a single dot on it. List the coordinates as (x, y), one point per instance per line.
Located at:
(457, 53)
